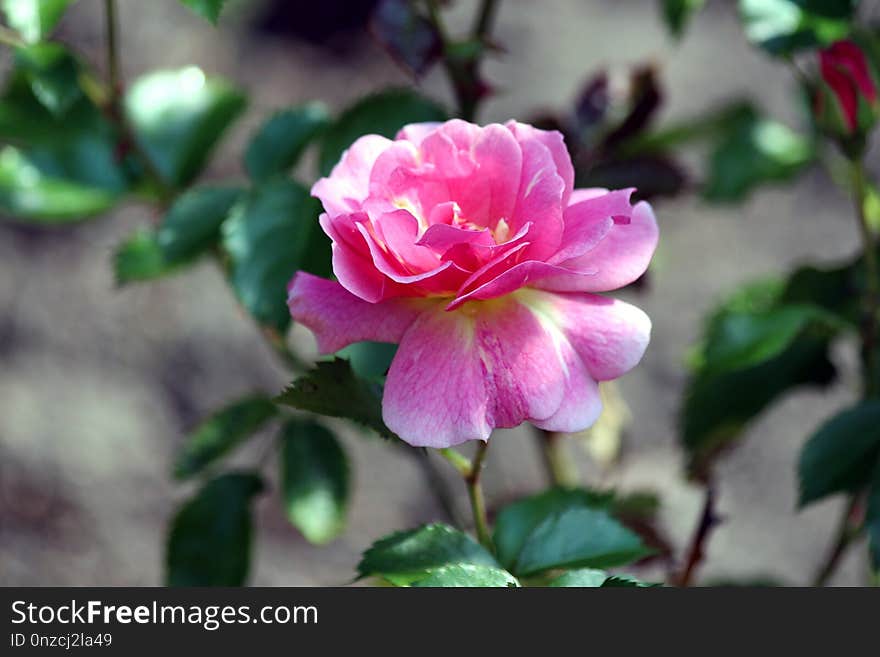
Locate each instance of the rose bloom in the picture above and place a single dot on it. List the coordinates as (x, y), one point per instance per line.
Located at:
(469, 247)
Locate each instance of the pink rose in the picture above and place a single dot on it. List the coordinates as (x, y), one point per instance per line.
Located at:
(468, 247)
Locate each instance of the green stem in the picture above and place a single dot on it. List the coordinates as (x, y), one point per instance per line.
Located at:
(475, 493)
(112, 44)
(557, 460)
(485, 18)
(872, 283)
(458, 461)
(848, 530)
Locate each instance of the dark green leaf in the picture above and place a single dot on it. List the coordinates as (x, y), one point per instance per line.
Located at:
(34, 19)
(207, 9)
(754, 151)
(210, 539)
(627, 581)
(841, 455)
(222, 432)
(383, 113)
(409, 556)
(81, 148)
(872, 520)
(192, 225)
(785, 26)
(53, 75)
(178, 118)
(332, 389)
(314, 480)
(191, 228)
(757, 348)
(580, 578)
(369, 360)
(563, 529)
(279, 143)
(739, 340)
(28, 193)
(270, 235)
(677, 13)
(407, 34)
(468, 575)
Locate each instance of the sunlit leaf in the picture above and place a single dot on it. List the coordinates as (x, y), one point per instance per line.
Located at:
(785, 26)
(34, 19)
(207, 9)
(314, 480)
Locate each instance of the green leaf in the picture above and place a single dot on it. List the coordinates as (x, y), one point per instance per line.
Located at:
(27, 193)
(270, 235)
(580, 578)
(190, 229)
(782, 27)
(34, 19)
(842, 454)
(192, 225)
(592, 578)
(178, 118)
(332, 389)
(409, 556)
(563, 528)
(139, 258)
(207, 9)
(753, 151)
(210, 538)
(677, 13)
(314, 480)
(222, 432)
(468, 575)
(757, 347)
(281, 141)
(369, 360)
(872, 520)
(383, 113)
(53, 74)
(738, 340)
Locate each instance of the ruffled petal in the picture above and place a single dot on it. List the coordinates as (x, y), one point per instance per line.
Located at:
(456, 376)
(610, 336)
(349, 183)
(555, 143)
(622, 255)
(339, 318)
(588, 221)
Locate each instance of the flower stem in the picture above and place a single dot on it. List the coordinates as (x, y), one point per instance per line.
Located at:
(848, 530)
(557, 461)
(709, 519)
(475, 493)
(112, 45)
(871, 375)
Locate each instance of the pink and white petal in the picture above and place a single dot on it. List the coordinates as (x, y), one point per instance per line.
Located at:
(585, 194)
(435, 393)
(440, 237)
(339, 318)
(581, 402)
(458, 375)
(351, 259)
(349, 182)
(528, 273)
(539, 200)
(609, 335)
(555, 143)
(399, 231)
(416, 132)
(623, 254)
(589, 221)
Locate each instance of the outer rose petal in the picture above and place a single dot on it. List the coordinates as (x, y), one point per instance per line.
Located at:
(349, 182)
(621, 256)
(458, 375)
(555, 142)
(339, 318)
(610, 336)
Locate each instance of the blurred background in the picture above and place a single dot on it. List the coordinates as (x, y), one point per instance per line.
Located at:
(98, 384)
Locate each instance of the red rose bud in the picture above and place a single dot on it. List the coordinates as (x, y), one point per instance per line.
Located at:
(847, 79)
